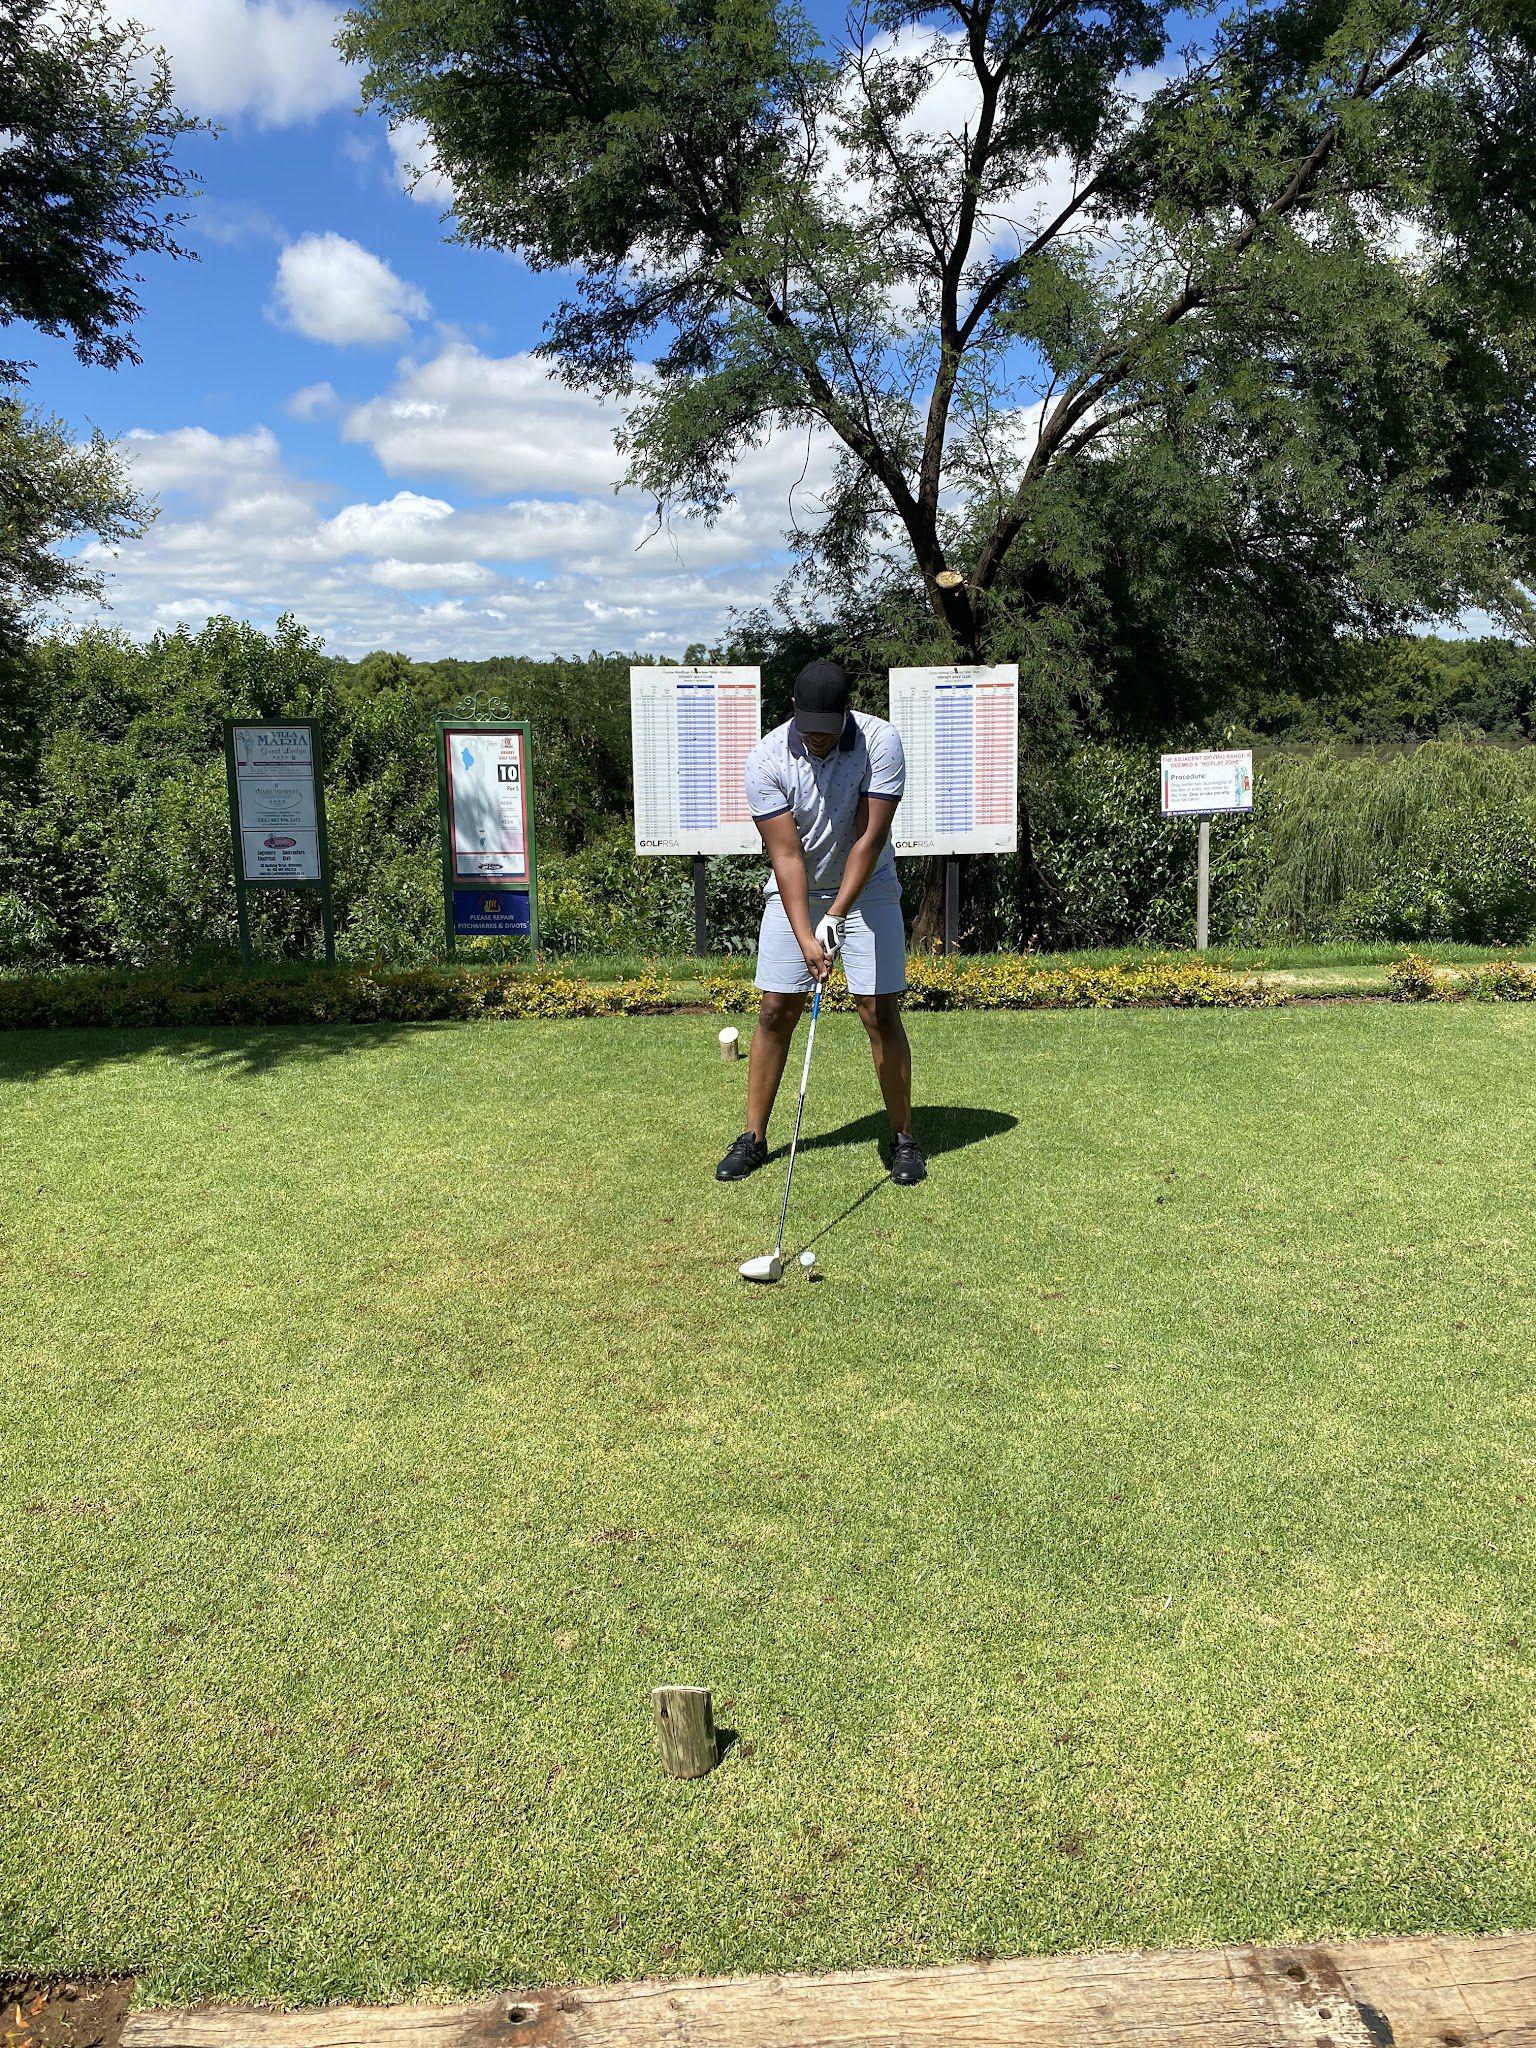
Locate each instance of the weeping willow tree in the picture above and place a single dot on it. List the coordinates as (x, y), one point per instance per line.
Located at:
(1445, 832)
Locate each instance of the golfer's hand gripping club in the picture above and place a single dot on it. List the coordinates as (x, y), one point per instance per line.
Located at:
(830, 934)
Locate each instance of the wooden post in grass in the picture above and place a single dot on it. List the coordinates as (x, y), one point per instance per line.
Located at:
(685, 1730)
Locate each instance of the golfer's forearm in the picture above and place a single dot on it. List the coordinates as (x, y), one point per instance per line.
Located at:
(857, 869)
(795, 895)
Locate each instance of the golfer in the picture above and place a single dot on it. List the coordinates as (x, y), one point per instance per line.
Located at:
(823, 789)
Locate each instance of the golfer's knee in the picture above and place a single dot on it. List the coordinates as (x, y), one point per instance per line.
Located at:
(778, 1014)
(881, 1016)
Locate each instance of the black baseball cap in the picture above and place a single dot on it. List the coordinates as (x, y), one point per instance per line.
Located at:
(821, 698)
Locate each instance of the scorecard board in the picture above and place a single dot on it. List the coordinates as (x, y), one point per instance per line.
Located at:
(959, 730)
(693, 729)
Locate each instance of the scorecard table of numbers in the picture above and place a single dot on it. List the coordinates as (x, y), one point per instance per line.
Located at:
(693, 729)
(959, 730)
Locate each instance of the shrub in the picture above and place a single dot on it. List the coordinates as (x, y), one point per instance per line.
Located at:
(939, 982)
(1436, 843)
(325, 995)
(114, 841)
(1413, 979)
(1501, 981)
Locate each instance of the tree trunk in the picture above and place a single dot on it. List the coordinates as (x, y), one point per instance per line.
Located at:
(928, 925)
(951, 597)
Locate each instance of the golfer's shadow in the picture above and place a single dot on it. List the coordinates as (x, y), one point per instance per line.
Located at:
(938, 1130)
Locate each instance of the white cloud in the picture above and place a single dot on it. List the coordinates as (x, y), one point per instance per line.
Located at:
(313, 402)
(242, 474)
(241, 531)
(395, 575)
(416, 166)
(396, 525)
(274, 60)
(334, 290)
(230, 222)
(501, 423)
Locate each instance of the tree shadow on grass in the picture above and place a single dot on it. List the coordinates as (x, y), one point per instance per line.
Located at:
(236, 1052)
(939, 1128)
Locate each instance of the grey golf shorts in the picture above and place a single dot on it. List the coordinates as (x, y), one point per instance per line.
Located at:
(874, 954)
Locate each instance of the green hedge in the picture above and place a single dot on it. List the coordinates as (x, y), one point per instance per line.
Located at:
(1434, 843)
(377, 995)
(114, 839)
(935, 982)
(339, 995)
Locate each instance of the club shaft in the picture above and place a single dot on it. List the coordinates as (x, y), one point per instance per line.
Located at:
(805, 1075)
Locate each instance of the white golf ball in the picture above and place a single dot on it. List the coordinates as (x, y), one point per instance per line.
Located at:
(807, 1259)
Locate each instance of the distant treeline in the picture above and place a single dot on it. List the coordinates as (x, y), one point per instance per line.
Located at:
(1402, 690)
(1372, 692)
(114, 838)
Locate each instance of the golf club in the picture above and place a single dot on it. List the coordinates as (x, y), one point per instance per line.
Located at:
(770, 1266)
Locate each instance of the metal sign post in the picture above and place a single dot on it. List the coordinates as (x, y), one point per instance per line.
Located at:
(485, 822)
(275, 770)
(1203, 888)
(1203, 786)
(951, 903)
(700, 905)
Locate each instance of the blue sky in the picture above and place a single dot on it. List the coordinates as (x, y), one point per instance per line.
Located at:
(337, 411)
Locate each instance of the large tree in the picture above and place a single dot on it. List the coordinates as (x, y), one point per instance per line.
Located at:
(89, 185)
(89, 181)
(1271, 295)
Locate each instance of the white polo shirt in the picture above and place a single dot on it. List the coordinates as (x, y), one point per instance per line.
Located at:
(823, 796)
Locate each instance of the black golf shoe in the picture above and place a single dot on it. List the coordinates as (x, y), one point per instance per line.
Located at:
(746, 1155)
(907, 1167)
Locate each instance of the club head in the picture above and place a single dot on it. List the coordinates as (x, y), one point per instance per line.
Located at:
(767, 1269)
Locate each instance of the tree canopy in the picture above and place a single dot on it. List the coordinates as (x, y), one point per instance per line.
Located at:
(88, 185)
(88, 176)
(1035, 270)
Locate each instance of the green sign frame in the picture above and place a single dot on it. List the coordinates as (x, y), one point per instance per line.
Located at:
(243, 881)
(480, 720)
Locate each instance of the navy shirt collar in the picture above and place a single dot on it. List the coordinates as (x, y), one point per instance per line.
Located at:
(845, 744)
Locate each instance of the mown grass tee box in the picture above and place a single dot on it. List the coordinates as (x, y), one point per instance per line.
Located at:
(1127, 1543)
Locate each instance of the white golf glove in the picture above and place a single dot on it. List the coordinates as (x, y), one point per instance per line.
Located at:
(829, 935)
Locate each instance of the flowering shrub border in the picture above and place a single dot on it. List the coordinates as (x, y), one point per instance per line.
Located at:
(1413, 979)
(336, 995)
(937, 982)
(393, 995)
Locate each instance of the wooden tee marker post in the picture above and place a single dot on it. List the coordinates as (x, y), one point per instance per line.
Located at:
(685, 1730)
